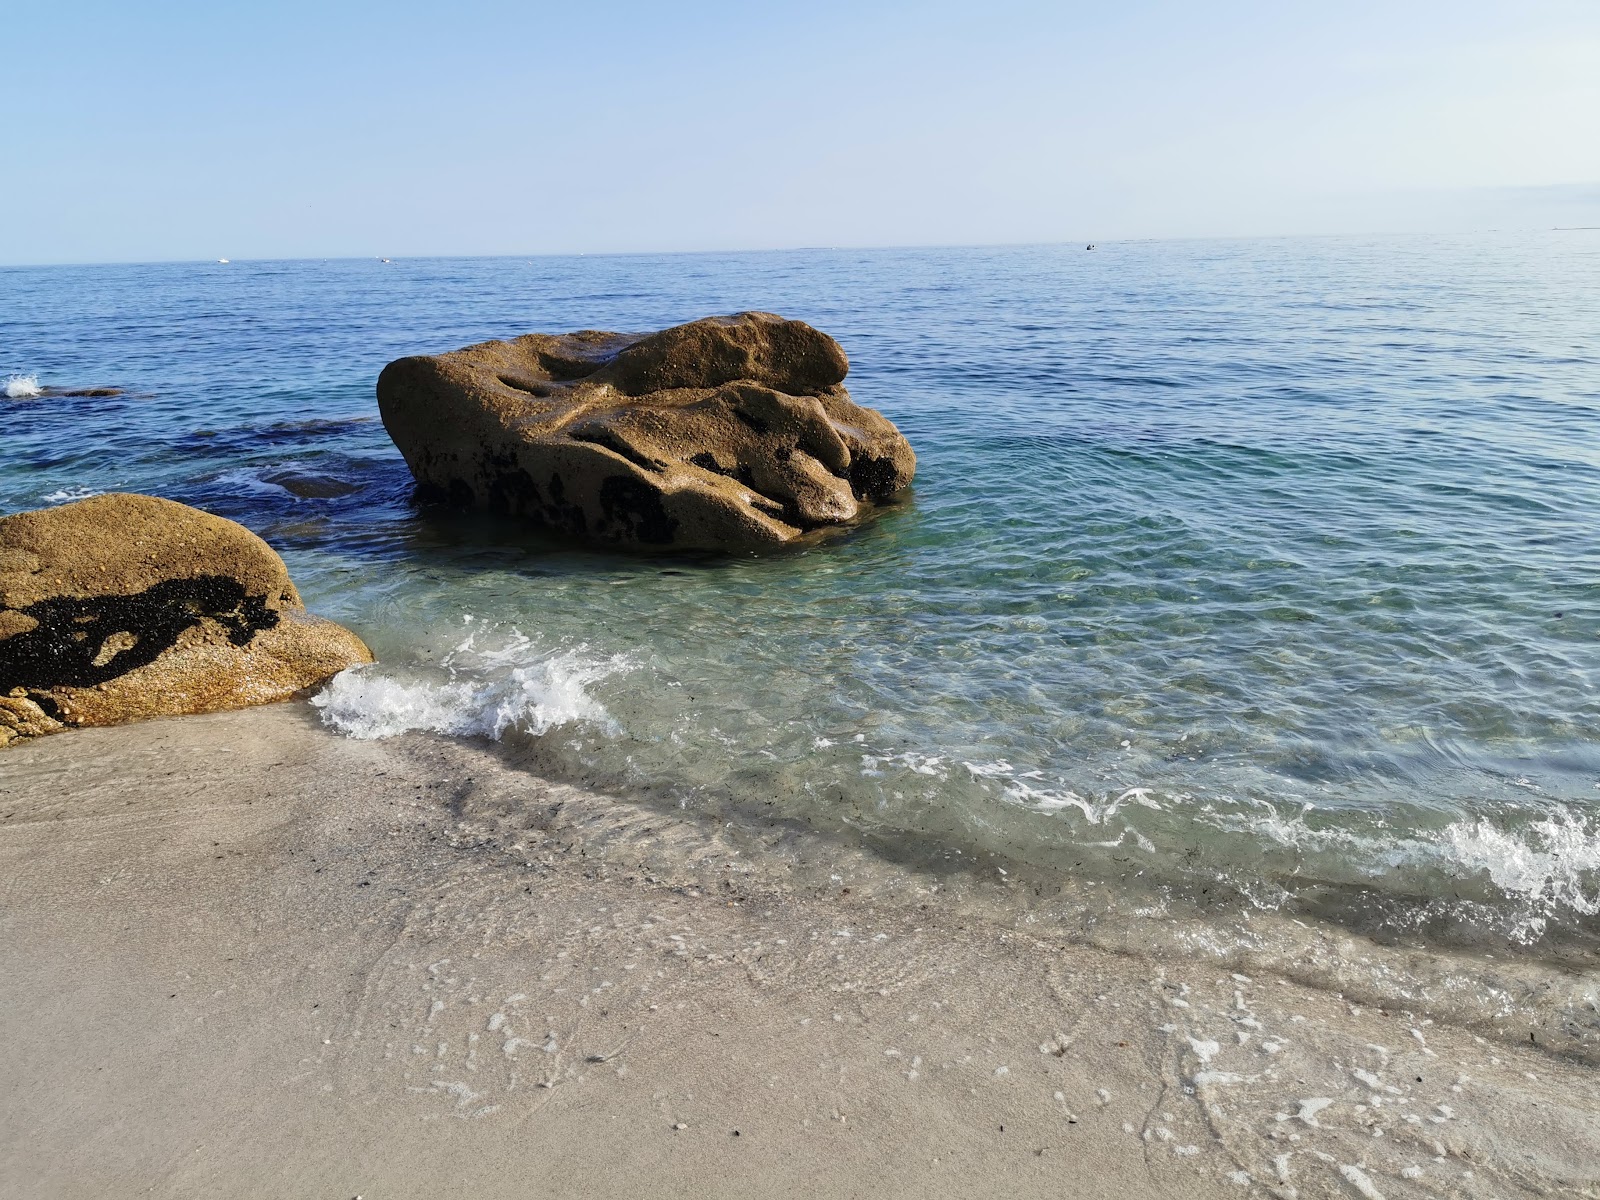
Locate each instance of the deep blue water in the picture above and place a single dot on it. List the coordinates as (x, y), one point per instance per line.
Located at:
(1263, 570)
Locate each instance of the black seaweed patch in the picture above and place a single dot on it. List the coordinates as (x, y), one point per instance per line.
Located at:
(633, 511)
(514, 492)
(873, 478)
(558, 513)
(63, 649)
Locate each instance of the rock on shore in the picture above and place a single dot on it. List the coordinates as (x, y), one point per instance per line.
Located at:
(725, 433)
(122, 607)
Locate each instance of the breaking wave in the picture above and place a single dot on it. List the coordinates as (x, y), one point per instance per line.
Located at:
(478, 691)
(68, 494)
(1554, 862)
(23, 387)
(1536, 870)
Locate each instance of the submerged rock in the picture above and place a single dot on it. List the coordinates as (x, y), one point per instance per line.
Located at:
(725, 433)
(26, 387)
(121, 607)
(89, 392)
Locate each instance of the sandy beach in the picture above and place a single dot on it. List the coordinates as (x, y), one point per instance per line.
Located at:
(246, 957)
(857, 601)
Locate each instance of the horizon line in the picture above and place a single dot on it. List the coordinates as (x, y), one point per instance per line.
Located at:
(864, 247)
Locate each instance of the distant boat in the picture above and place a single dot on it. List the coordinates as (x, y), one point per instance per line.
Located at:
(383, 260)
(1090, 246)
(222, 260)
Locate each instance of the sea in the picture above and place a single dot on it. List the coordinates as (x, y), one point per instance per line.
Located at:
(1241, 582)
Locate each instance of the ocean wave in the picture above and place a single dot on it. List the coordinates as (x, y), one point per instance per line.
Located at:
(249, 481)
(1545, 869)
(1027, 789)
(292, 480)
(1534, 869)
(486, 690)
(69, 494)
(23, 387)
(1554, 862)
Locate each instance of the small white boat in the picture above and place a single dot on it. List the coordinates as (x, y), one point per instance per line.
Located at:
(222, 260)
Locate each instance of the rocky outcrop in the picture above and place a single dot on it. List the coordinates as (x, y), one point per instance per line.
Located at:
(97, 393)
(122, 607)
(26, 387)
(725, 433)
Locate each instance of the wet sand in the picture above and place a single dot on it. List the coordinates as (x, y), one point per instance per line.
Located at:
(242, 956)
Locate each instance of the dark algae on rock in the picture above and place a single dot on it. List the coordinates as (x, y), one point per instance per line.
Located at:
(84, 641)
(121, 607)
(725, 433)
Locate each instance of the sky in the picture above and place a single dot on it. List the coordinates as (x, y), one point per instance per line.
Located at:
(154, 131)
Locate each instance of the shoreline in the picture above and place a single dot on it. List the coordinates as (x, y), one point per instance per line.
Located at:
(303, 963)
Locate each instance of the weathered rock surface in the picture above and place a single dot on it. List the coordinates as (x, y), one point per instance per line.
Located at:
(122, 607)
(725, 433)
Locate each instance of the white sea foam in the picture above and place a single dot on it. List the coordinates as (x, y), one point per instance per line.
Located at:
(23, 387)
(249, 480)
(1547, 862)
(1547, 868)
(1552, 864)
(67, 495)
(1360, 1181)
(486, 692)
(1023, 788)
(933, 765)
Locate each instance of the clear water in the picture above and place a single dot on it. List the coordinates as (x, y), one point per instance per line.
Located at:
(1253, 575)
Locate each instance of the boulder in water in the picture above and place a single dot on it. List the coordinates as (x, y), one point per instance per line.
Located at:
(121, 607)
(726, 433)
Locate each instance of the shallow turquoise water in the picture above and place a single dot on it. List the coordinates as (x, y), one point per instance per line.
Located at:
(1259, 574)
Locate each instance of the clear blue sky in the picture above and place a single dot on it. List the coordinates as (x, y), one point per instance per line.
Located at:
(138, 131)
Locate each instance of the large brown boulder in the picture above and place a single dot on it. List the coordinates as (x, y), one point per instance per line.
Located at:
(725, 433)
(122, 607)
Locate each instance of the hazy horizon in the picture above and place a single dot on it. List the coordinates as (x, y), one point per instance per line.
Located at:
(865, 248)
(359, 131)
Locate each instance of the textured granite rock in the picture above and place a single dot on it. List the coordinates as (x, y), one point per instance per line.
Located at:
(121, 607)
(725, 433)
